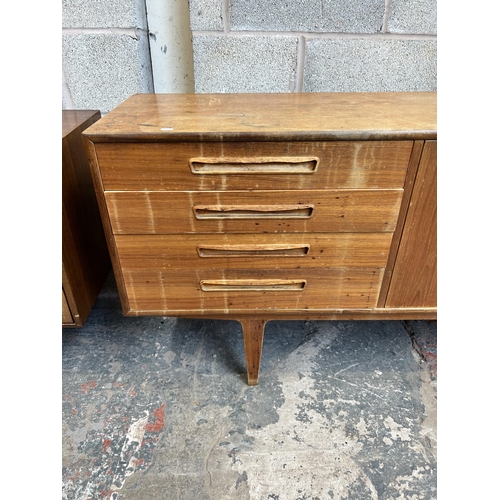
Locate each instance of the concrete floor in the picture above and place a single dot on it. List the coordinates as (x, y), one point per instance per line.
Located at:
(158, 408)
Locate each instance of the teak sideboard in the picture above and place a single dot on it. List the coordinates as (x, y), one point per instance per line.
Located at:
(258, 207)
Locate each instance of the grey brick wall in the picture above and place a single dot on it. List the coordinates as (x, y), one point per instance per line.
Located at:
(103, 14)
(369, 65)
(252, 46)
(417, 16)
(103, 69)
(105, 53)
(314, 45)
(336, 16)
(245, 63)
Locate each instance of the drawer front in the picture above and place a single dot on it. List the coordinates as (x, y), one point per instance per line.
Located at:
(219, 291)
(163, 212)
(253, 251)
(259, 165)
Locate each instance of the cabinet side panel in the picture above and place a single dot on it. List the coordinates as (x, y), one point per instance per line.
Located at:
(67, 318)
(84, 251)
(99, 191)
(414, 281)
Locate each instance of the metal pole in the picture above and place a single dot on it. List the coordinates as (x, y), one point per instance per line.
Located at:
(171, 46)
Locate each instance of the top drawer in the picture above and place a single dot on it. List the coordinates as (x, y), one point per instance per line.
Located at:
(253, 165)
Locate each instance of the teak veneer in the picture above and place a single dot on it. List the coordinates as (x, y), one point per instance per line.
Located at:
(258, 207)
(85, 257)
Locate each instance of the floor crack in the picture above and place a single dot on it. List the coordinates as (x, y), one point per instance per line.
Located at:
(279, 365)
(222, 433)
(411, 332)
(423, 347)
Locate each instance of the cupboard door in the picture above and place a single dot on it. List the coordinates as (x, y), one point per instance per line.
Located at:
(414, 280)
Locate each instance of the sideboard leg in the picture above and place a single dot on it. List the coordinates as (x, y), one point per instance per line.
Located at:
(253, 335)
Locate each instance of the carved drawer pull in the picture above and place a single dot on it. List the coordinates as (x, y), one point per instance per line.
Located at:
(253, 285)
(253, 211)
(264, 165)
(253, 250)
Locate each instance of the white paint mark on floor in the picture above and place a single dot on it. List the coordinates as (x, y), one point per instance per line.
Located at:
(131, 446)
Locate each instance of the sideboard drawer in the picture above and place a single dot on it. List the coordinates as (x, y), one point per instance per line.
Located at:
(197, 290)
(164, 212)
(259, 165)
(249, 251)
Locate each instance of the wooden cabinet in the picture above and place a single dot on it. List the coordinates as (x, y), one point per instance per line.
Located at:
(85, 257)
(270, 206)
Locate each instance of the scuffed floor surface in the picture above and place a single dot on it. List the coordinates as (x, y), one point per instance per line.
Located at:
(158, 408)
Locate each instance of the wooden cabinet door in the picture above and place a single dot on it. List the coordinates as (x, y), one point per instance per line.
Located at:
(414, 280)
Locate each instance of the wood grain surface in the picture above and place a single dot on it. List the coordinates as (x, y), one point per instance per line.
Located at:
(405, 202)
(180, 289)
(253, 337)
(164, 212)
(292, 116)
(67, 317)
(261, 251)
(85, 257)
(414, 280)
(166, 166)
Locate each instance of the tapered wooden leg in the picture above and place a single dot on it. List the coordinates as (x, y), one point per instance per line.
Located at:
(253, 335)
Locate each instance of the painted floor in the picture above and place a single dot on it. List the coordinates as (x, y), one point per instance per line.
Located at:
(158, 408)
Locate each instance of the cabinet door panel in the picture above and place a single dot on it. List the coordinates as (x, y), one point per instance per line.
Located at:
(414, 281)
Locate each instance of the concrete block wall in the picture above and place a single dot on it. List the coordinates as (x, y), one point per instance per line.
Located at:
(314, 45)
(105, 53)
(249, 46)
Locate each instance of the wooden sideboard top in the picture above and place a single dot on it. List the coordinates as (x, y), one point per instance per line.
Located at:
(264, 117)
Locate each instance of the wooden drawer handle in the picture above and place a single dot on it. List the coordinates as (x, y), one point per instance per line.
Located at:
(253, 211)
(253, 250)
(264, 165)
(253, 285)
